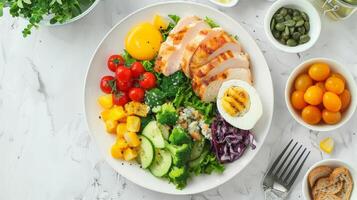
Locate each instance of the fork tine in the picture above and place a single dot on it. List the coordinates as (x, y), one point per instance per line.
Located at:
(293, 167)
(285, 159)
(278, 159)
(297, 171)
(290, 161)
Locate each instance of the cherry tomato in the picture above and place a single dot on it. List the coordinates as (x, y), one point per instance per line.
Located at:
(120, 99)
(123, 74)
(114, 62)
(106, 84)
(335, 85)
(124, 86)
(147, 80)
(332, 102)
(302, 82)
(319, 71)
(311, 115)
(313, 95)
(137, 69)
(136, 94)
(345, 97)
(331, 117)
(297, 100)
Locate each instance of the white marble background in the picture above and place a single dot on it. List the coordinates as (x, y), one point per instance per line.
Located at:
(45, 149)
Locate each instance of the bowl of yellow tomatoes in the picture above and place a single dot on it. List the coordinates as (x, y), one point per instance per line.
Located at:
(321, 94)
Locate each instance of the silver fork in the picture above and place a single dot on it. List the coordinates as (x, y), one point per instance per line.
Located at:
(279, 179)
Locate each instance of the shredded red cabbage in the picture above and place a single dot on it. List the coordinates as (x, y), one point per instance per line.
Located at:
(228, 142)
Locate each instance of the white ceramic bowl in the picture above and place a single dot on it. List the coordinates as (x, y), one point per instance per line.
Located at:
(331, 163)
(302, 5)
(335, 67)
(46, 20)
(113, 43)
(230, 4)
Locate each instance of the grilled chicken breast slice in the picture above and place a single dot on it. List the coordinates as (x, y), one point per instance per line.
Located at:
(207, 89)
(211, 48)
(221, 63)
(171, 51)
(191, 48)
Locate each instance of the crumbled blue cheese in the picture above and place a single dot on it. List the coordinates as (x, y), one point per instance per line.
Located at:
(192, 120)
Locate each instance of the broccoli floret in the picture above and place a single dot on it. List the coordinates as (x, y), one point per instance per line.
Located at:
(180, 154)
(179, 176)
(179, 136)
(167, 114)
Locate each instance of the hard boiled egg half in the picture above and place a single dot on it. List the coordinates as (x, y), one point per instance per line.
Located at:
(239, 104)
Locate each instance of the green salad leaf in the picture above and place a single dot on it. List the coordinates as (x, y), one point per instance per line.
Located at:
(171, 25)
(128, 59)
(208, 165)
(155, 97)
(173, 83)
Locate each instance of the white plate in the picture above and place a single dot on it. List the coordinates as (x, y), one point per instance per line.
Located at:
(113, 43)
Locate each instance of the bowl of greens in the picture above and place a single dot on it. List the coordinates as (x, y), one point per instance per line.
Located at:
(48, 13)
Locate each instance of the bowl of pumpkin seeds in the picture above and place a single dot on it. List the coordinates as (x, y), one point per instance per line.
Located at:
(292, 25)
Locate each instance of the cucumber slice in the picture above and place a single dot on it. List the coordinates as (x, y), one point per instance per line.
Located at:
(162, 163)
(165, 131)
(197, 149)
(146, 152)
(153, 133)
(195, 163)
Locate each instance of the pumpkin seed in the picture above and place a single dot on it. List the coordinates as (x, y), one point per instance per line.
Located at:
(304, 39)
(291, 42)
(299, 23)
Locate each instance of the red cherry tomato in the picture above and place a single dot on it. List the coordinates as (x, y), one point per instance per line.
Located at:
(107, 83)
(137, 69)
(114, 62)
(120, 99)
(136, 94)
(123, 74)
(147, 80)
(124, 86)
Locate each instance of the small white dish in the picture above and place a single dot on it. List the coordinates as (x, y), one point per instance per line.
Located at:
(302, 5)
(229, 4)
(331, 163)
(335, 67)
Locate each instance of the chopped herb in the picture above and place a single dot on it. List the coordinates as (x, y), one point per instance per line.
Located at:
(210, 22)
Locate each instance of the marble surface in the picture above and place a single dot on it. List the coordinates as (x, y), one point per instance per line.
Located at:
(45, 148)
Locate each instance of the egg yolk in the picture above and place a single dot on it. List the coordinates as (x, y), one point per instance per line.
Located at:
(143, 41)
(236, 101)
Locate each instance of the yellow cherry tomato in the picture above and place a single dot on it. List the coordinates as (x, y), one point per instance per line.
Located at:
(331, 117)
(338, 75)
(321, 85)
(345, 97)
(335, 85)
(332, 102)
(302, 82)
(297, 100)
(311, 115)
(313, 95)
(319, 71)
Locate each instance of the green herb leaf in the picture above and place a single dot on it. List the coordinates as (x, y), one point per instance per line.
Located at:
(1, 9)
(211, 22)
(128, 59)
(174, 18)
